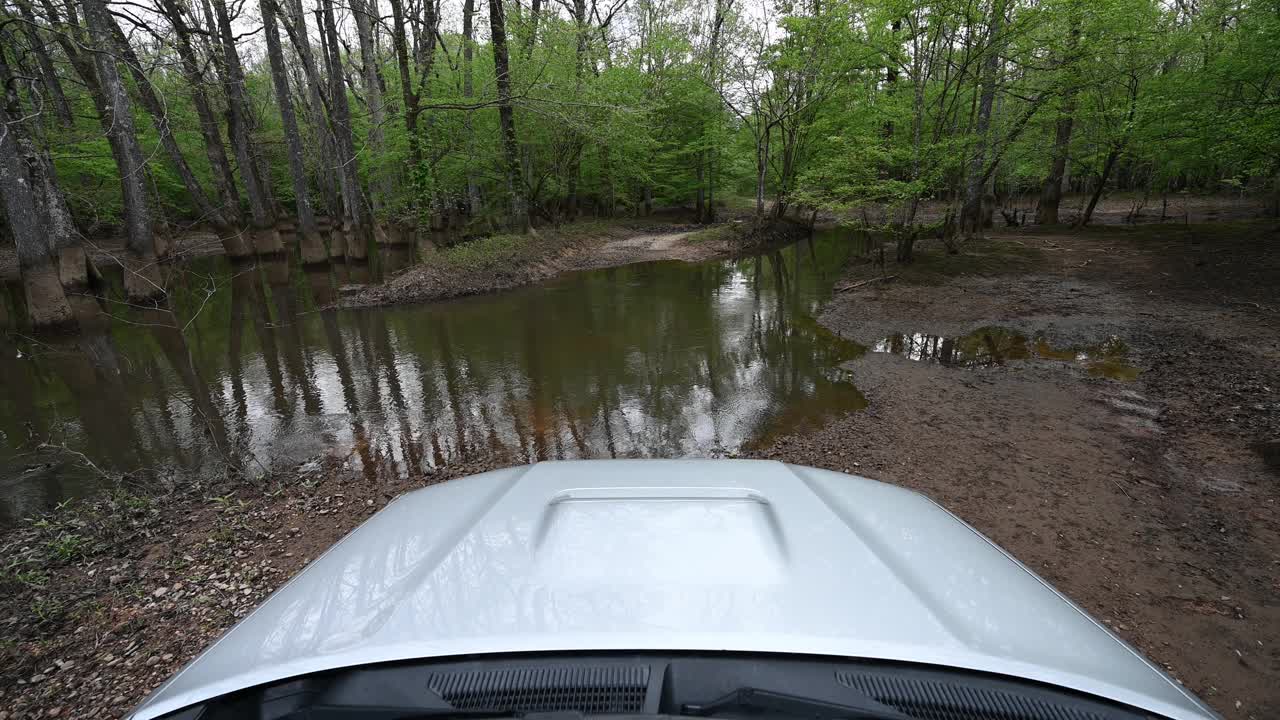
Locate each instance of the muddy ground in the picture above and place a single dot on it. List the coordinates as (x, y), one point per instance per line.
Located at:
(103, 602)
(1149, 502)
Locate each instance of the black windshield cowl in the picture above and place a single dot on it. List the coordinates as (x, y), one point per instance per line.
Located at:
(655, 686)
(750, 698)
(366, 712)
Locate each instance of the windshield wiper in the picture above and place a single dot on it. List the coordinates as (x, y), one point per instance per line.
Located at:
(750, 698)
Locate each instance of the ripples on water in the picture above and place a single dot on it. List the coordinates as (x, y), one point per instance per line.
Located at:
(654, 360)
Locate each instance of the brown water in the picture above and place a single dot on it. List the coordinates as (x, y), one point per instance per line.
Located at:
(660, 359)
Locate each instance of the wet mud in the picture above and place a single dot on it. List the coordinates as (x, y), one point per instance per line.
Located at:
(1106, 406)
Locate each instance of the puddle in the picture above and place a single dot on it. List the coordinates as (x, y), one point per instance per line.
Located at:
(990, 346)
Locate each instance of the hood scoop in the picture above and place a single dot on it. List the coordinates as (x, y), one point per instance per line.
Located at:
(697, 536)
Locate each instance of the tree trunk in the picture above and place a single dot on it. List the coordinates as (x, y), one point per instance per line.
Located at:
(234, 243)
(309, 240)
(700, 209)
(160, 119)
(580, 62)
(606, 163)
(406, 82)
(63, 240)
(1051, 192)
(972, 213)
(142, 276)
(712, 76)
(48, 74)
(762, 170)
(340, 115)
(266, 239)
(74, 268)
(1117, 149)
(711, 187)
(379, 188)
(296, 27)
(73, 41)
(506, 117)
(42, 289)
(1107, 166)
(468, 91)
(535, 12)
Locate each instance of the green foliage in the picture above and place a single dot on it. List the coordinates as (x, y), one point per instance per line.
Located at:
(486, 253)
(505, 251)
(67, 546)
(849, 103)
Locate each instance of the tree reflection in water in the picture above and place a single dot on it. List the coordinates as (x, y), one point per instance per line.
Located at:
(652, 360)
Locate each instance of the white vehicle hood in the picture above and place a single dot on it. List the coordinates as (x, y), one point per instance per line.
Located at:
(711, 555)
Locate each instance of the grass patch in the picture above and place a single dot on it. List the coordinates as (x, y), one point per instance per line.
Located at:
(507, 251)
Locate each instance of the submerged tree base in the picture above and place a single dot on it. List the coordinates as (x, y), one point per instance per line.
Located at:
(142, 281)
(356, 243)
(73, 268)
(266, 241)
(47, 305)
(235, 243)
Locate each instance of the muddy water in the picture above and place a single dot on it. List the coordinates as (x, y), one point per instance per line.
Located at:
(659, 359)
(989, 346)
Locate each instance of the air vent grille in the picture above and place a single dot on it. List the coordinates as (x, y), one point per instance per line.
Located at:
(936, 700)
(598, 689)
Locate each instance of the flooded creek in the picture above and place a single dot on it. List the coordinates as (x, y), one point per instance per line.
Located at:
(242, 368)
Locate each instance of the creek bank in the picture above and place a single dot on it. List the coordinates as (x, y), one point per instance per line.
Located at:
(1148, 502)
(502, 262)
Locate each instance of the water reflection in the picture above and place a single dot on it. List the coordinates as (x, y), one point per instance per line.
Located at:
(242, 368)
(990, 346)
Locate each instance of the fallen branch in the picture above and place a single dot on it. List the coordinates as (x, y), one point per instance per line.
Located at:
(857, 285)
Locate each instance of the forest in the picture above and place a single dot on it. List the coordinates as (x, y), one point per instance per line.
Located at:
(350, 124)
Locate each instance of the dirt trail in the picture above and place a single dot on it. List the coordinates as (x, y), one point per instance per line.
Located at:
(1147, 502)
